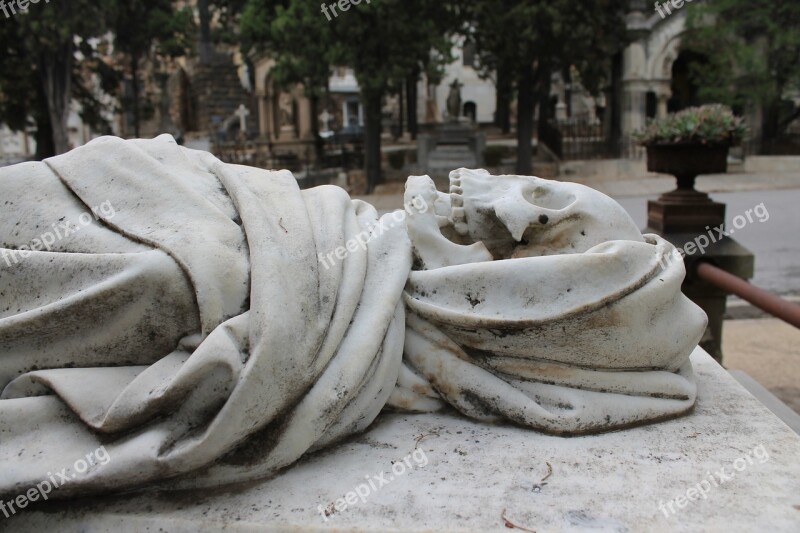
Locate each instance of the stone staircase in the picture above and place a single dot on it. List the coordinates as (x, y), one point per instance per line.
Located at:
(217, 92)
(447, 157)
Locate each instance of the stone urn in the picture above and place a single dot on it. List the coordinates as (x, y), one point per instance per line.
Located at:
(686, 209)
(686, 161)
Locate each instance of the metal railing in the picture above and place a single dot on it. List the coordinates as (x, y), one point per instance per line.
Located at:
(766, 301)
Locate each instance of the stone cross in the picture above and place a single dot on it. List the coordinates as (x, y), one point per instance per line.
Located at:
(242, 113)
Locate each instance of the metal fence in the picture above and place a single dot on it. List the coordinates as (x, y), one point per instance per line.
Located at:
(300, 158)
(578, 139)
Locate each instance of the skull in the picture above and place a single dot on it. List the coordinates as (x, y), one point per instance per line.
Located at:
(489, 217)
(521, 216)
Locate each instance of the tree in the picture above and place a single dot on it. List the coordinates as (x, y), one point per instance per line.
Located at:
(298, 37)
(753, 57)
(40, 76)
(384, 41)
(21, 93)
(39, 51)
(159, 31)
(532, 40)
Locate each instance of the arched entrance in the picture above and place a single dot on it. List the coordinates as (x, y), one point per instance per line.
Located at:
(471, 111)
(685, 92)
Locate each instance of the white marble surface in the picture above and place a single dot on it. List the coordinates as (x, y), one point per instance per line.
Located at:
(608, 482)
(209, 323)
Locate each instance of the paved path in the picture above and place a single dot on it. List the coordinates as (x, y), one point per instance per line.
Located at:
(775, 241)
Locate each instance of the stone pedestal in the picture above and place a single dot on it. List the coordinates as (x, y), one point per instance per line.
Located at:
(731, 465)
(453, 145)
(684, 211)
(727, 254)
(693, 222)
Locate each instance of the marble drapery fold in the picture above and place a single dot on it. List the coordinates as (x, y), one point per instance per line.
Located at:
(289, 357)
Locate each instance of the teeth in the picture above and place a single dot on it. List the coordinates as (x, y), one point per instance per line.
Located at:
(459, 217)
(456, 200)
(456, 190)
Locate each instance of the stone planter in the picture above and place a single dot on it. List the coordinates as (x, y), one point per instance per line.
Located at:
(687, 161)
(685, 209)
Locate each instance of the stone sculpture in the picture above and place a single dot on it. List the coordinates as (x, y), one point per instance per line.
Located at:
(454, 102)
(210, 323)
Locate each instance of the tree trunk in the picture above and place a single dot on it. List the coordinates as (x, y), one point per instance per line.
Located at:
(313, 101)
(56, 77)
(769, 128)
(402, 114)
(135, 78)
(502, 117)
(372, 139)
(205, 31)
(525, 120)
(411, 103)
(44, 130)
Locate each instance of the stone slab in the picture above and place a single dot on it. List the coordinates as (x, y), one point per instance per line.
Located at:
(477, 473)
(770, 401)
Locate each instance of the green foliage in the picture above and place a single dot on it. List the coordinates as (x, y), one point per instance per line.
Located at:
(297, 37)
(49, 38)
(532, 40)
(550, 35)
(384, 42)
(38, 70)
(227, 14)
(712, 125)
(753, 52)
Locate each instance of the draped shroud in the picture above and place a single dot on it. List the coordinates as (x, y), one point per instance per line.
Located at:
(194, 332)
(567, 344)
(286, 356)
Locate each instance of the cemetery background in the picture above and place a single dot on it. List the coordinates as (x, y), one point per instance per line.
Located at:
(213, 74)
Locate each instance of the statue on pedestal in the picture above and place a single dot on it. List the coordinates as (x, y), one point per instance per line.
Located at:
(454, 102)
(207, 323)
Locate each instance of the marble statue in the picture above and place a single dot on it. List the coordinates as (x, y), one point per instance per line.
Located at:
(454, 101)
(207, 323)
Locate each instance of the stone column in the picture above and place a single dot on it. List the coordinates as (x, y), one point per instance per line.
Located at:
(661, 110)
(634, 89)
(634, 107)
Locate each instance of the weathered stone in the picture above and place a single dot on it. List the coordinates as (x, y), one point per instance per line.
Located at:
(213, 323)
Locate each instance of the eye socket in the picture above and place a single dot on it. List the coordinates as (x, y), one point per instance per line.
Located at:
(549, 197)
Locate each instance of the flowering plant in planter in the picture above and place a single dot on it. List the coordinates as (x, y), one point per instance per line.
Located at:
(691, 142)
(708, 125)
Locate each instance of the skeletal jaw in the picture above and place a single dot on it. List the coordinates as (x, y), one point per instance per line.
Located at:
(431, 248)
(489, 217)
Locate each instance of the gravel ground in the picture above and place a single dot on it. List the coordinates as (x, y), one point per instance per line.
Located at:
(769, 350)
